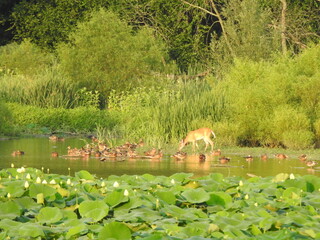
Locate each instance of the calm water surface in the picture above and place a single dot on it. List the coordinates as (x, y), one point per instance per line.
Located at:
(38, 155)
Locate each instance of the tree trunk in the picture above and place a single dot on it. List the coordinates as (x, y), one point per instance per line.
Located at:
(283, 27)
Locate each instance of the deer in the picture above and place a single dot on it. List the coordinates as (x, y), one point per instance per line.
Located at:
(194, 136)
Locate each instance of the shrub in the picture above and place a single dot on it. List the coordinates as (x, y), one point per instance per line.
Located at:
(24, 58)
(300, 139)
(5, 120)
(227, 133)
(106, 55)
(287, 120)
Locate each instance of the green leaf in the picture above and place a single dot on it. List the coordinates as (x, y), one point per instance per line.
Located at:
(116, 231)
(196, 195)
(83, 174)
(96, 210)
(30, 230)
(16, 188)
(166, 196)
(280, 177)
(49, 215)
(47, 191)
(9, 210)
(115, 198)
(219, 198)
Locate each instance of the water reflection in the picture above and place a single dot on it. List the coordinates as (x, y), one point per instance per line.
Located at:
(38, 154)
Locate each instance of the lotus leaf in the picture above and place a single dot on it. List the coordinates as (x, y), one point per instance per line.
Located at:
(220, 198)
(255, 230)
(196, 195)
(49, 215)
(166, 196)
(77, 228)
(281, 177)
(292, 195)
(47, 191)
(30, 230)
(196, 229)
(9, 210)
(83, 174)
(27, 203)
(138, 215)
(8, 224)
(181, 177)
(133, 202)
(115, 198)
(182, 214)
(96, 210)
(116, 231)
(16, 188)
(313, 183)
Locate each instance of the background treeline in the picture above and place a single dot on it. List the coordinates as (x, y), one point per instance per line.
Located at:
(157, 69)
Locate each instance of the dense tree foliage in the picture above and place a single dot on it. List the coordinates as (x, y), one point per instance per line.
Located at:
(247, 68)
(188, 27)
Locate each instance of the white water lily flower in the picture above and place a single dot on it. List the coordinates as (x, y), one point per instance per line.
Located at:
(19, 170)
(26, 184)
(126, 193)
(38, 180)
(103, 184)
(292, 176)
(28, 176)
(17, 177)
(9, 177)
(240, 183)
(44, 182)
(23, 169)
(68, 181)
(9, 195)
(116, 184)
(172, 181)
(256, 204)
(12, 165)
(246, 197)
(52, 181)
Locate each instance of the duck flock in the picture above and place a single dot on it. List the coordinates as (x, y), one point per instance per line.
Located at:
(100, 150)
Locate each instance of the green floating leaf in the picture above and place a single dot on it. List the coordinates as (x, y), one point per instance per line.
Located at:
(47, 191)
(166, 196)
(219, 198)
(49, 215)
(196, 195)
(115, 231)
(8, 224)
(280, 177)
(77, 228)
(9, 210)
(27, 203)
(83, 174)
(16, 188)
(30, 230)
(115, 198)
(180, 177)
(96, 210)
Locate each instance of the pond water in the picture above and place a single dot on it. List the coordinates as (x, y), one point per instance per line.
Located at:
(38, 155)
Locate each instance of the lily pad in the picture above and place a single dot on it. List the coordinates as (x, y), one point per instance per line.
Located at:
(49, 215)
(196, 195)
(115, 231)
(9, 210)
(96, 210)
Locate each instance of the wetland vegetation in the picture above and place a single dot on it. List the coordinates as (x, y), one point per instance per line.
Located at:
(155, 70)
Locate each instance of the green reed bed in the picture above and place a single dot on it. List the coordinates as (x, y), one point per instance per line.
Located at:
(51, 206)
